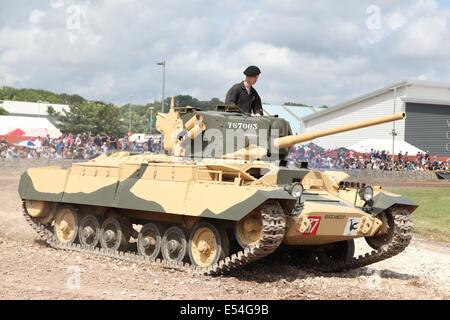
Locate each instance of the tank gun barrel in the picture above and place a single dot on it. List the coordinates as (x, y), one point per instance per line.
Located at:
(289, 141)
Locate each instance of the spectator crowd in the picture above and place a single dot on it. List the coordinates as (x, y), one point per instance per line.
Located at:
(86, 147)
(77, 147)
(375, 160)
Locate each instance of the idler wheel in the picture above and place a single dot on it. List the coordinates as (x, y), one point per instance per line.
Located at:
(89, 231)
(66, 225)
(149, 241)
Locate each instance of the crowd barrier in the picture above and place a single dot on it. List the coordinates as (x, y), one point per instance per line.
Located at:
(21, 165)
(376, 175)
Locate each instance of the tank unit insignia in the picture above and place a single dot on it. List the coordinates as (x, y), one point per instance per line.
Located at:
(351, 228)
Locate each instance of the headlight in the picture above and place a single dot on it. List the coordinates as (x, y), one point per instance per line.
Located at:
(366, 193)
(296, 190)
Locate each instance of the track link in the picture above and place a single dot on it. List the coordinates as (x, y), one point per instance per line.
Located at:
(274, 226)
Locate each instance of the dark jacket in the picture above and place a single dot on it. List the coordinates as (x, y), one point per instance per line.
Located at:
(247, 103)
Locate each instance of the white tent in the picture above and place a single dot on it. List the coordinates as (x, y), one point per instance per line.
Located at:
(32, 127)
(367, 145)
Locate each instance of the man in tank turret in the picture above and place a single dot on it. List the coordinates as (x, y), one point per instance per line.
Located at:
(244, 95)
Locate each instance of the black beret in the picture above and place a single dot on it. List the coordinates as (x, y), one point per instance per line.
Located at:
(252, 71)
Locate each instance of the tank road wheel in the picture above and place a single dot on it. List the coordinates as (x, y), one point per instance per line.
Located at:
(149, 241)
(174, 245)
(89, 231)
(248, 231)
(206, 245)
(66, 225)
(114, 234)
(336, 252)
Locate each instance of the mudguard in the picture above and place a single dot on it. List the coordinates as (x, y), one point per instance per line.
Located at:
(383, 201)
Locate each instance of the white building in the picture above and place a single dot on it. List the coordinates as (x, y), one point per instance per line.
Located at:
(427, 126)
(31, 109)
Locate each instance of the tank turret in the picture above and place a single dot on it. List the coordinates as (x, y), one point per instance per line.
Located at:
(226, 133)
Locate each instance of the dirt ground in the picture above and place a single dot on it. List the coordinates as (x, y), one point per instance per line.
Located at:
(30, 270)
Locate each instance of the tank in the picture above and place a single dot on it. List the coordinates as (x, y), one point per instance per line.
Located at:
(207, 207)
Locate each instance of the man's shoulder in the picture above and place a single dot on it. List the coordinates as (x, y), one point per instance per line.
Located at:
(254, 91)
(237, 86)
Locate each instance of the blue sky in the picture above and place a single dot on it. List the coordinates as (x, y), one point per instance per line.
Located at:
(321, 52)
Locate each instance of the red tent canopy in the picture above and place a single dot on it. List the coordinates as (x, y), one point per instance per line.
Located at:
(16, 133)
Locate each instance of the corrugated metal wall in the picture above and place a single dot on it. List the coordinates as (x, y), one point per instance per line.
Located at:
(428, 127)
(381, 105)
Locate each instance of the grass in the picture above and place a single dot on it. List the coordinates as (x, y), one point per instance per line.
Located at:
(432, 218)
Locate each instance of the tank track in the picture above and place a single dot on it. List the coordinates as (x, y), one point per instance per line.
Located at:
(403, 229)
(274, 226)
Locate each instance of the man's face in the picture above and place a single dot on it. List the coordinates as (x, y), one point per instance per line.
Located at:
(252, 80)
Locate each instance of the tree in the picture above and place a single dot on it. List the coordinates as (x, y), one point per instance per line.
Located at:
(187, 100)
(35, 95)
(92, 116)
(52, 112)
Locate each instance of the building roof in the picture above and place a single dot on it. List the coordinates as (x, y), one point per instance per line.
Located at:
(404, 83)
(31, 108)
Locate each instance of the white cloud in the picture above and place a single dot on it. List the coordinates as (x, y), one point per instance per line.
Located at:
(396, 21)
(55, 4)
(36, 16)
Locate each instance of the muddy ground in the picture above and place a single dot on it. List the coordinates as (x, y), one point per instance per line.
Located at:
(31, 270)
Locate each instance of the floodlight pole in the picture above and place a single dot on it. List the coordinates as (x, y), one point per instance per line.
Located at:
(163, 103)
(129, 113)
(394, 131)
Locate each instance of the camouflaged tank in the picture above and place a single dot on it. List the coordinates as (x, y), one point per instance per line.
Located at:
(198, 209)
